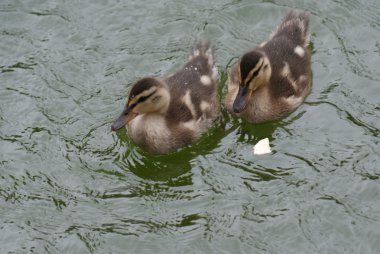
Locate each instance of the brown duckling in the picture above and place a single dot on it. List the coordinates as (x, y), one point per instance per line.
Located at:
(163, 115)
(274, 78)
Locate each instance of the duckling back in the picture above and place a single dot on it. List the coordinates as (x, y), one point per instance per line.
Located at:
(194, 89)
(295, 26)
(290, 57)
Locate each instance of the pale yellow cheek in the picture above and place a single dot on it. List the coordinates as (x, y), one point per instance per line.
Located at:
(145, 107)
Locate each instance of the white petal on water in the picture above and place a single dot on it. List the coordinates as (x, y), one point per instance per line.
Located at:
(262, 147)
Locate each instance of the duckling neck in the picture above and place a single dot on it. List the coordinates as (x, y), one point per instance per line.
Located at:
(267, 70)
(260, 106)
(165, 100)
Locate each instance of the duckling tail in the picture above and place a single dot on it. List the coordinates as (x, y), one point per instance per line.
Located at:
(204, 48)
(296, 25)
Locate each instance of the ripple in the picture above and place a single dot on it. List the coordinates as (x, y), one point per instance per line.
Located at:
(69, 184)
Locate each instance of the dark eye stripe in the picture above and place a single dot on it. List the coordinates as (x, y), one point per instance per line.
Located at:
(142, 99)
(254, 74)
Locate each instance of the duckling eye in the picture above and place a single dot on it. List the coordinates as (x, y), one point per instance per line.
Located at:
(155, 99)
(255, 73)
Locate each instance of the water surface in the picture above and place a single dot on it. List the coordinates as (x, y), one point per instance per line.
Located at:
(70, 185)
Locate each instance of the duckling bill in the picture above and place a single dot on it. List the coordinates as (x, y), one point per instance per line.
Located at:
(164, 115)
(274, 78)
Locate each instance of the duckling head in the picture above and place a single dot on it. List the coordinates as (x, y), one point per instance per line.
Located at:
(255, 71)
(148, 95)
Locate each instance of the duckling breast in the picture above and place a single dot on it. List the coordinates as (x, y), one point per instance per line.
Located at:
(150, 131)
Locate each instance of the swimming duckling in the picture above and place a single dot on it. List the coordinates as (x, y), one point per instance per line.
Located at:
(163, 115)
(274, 78)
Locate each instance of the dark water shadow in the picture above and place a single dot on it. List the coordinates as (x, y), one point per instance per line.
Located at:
(252, 133)
(171, 166)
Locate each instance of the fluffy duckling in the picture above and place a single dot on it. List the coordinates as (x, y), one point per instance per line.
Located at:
(274, 78)
(163, 115)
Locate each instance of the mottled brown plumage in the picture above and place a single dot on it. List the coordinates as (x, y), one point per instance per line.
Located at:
(274, 78)
(163, 115)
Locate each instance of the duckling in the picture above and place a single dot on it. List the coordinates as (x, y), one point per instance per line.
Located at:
(274, 78)
(164, 115)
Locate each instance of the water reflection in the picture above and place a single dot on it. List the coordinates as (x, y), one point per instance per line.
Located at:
(166, 167)
(158, 167)
(252, 133)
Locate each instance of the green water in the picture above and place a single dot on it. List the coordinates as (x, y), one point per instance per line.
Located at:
(70, 185)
